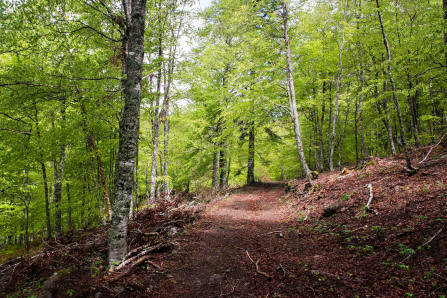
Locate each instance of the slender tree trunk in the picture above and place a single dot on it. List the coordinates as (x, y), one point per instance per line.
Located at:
(216, 161)
(337, 92)
(396, 102)
(70, 222)
(224, 167)
(167, 125)
(413, 116)
(291, 89)
(360, 114)
(321, 167)
(444, 6)
(156, 125)
(102, 175)
(58, 175)
(44, 176)
(251, 155)
(133, 41)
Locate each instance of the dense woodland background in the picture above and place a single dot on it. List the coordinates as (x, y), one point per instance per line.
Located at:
(213, 114)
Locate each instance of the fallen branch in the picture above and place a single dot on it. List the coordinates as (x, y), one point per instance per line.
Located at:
(431, 148)
(423, 245)
(307, 215)
(367, 208)
(273, 232)
(257, 266)
(143, 252)
(130, 269)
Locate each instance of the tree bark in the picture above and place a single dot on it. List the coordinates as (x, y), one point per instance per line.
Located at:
(444, 7)
(156, 124)
(44, 177)
(337, 93)
(396, 102)
(291, 89)
(251, 155)
(70, 222)
(133, 41)
(102, 176)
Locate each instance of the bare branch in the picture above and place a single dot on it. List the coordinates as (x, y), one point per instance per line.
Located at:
(16, 131)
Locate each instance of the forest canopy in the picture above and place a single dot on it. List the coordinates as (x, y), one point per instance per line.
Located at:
(265, 90)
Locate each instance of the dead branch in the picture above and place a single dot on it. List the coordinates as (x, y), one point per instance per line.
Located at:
(431, 148)
(257, 266)
(307, 215)
(425, 244)
(273, 232)
(143, 251)
(370, 199)
(130, 269)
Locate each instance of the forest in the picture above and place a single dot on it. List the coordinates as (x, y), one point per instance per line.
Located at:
(108, 107)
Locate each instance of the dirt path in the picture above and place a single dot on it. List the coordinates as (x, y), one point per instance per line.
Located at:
(212, 259)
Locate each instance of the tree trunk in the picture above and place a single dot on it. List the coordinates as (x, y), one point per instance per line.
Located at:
(396, 102)
(44, 176)
(251, 155)
(70, 222)
(102, 176)
(133, 41)
(444, 6)
(224, 167)
(337, 93)
(156, 125)
(360, 114)
(291, 89)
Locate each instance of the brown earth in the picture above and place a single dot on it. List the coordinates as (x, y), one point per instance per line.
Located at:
(262, 242)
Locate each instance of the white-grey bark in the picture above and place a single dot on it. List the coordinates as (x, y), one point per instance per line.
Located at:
(291, 89)
(393, 86)
(135, 11)
(337, 92)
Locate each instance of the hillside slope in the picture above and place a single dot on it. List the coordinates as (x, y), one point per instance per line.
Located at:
(261, 241)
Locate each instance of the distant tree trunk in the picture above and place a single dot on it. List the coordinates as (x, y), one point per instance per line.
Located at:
(156, 125)
(58, 175)
(224, 167)
(216, 165)
(360, 114)
(291, 89)
(70, 222)
(396, 102)
(44, 176)
(337, 92)
(92, 145)
(320, 132)
(413, 114)
(444, 6)
(167, 125)
(251, 155)
(133, 43)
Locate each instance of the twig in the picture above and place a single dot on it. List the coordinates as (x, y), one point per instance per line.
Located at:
(232, 287)
(273, 232)
(425, 244)
(307, 215)
(257, 266)
(431, 148)
(370, 199)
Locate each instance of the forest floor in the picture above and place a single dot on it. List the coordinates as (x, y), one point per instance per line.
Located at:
(261, 241)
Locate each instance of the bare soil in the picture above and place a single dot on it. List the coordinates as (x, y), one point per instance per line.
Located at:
(260, 241)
